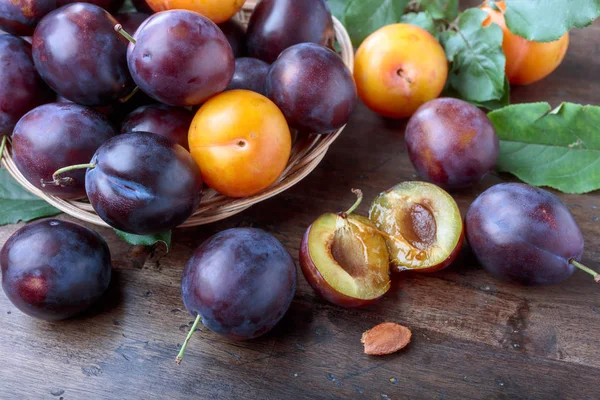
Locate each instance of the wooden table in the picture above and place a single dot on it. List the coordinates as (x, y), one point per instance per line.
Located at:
(473, 337)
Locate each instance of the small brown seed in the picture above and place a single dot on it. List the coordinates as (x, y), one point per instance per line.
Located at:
(385, 338)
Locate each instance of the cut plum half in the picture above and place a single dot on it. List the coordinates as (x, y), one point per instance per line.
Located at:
(422, 225)
(345, 259)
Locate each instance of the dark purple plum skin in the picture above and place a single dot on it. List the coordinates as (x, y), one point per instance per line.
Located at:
(236, 36)
(20, 17)
(54, 269)
(181, 58)
(22, 88)
(313, 88)
(131, 21)
(523, 234)
(451, 143)
(57, 135)
(250, 74)
(276, 25)
(143, 183)
(170, 122)
(241, 281)
(88, 64)
(112, 6)
(116, 112)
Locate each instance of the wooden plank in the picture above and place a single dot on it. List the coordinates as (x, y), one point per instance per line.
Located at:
(473, 337)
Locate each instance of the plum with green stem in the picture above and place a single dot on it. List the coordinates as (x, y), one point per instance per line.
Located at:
(525, 235)
(239, 283)
(54, 135)
(140, 183)
(179, 58)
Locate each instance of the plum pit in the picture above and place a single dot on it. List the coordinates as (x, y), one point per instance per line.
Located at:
(417, 225)
(422, 225)
(349, 252)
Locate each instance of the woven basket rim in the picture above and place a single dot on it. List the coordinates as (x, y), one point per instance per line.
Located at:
(306, 155)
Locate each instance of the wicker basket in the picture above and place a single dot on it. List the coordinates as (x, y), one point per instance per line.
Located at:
(307, 152)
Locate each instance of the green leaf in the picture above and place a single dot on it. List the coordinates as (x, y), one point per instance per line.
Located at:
(145, 240)
(548, 20)
(477, 72)
(490, 105)
(363, 17)
(422, 20)
(441, 9)
(557, 148)
(17, 204)
(338, 7)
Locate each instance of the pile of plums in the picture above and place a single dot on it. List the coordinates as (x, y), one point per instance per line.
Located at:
(138, 112)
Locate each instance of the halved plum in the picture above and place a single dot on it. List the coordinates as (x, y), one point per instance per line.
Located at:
(345, 259)
(422, 224)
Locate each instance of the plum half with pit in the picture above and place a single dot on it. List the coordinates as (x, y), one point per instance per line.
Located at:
(451, 143)
(345, 259)
(525, 235)
(422, 225)
(54, 269)
(239, 283)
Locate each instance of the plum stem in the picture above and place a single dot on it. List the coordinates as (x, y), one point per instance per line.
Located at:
(123, 32)
(2, 145)
(359, 198)
(586, 269)
(130, 95)
(58, 181)
(187, 339)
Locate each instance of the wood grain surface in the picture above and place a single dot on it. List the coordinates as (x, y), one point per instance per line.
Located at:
(473, 337)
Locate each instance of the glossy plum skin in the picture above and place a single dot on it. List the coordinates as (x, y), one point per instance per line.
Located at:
(523, 234)
(250, 74)
(276, 25)
(313, 88)
(112, 6)
(20, 17)
(57, 135)
(241, 281)
(181, 58)
(23, 89)
(451, 143)
(131, 21)
(54, 269)
(88, 64)
(170, 122)
(143, 183)
(236, 36)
